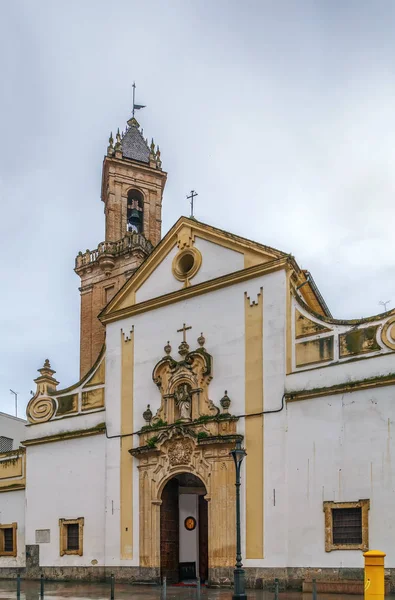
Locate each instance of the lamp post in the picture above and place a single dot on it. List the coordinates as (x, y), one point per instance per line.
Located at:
(239, 582)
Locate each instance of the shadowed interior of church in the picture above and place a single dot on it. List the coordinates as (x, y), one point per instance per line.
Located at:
(184, 529)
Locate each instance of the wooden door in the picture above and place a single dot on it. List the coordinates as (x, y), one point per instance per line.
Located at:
(203, 539)
(169, 532)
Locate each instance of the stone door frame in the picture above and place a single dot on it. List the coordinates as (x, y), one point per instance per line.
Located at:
(211, 463)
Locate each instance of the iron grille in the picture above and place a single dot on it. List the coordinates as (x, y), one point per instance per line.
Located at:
(8, 540)
(73, 542)
(5, 444)
(347, 525)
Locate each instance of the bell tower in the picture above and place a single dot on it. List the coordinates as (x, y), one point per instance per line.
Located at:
(132, 188)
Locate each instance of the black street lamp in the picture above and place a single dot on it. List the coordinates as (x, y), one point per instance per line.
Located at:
(239, 581)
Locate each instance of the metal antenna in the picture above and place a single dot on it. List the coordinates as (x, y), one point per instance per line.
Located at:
(16, 401)
(191, 197)
(384, 304)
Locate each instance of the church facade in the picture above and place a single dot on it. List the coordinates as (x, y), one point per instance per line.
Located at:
(189, 344)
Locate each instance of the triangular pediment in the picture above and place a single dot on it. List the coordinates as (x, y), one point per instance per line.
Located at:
(190, 254)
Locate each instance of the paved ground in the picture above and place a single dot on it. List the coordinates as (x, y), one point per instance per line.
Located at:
(30, 590)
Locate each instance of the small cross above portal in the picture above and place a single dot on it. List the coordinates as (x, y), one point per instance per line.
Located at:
(191, 197)
(184, 330)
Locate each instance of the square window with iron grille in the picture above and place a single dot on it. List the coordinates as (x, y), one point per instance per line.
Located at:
(346, 525)
(5, 444)
(8, 539)
(71, 536)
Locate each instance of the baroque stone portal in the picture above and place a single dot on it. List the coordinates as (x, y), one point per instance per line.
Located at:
(188, 434)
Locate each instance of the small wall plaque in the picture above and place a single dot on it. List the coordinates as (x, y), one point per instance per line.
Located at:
(43, 536)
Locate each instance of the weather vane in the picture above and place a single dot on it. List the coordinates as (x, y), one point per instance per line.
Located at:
(191, 197)
(136, 106)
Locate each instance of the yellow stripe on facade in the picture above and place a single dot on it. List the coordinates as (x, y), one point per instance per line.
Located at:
(254, 425)
(127, 345)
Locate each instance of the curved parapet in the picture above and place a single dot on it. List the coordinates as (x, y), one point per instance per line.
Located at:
(321, 341)
(85, 396)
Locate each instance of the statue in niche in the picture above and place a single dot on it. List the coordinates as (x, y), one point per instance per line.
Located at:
(183, 400)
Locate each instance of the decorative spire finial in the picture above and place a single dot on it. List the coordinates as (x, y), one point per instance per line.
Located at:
(118, 145)
(110, 149)
(225, 402)
(147, 415)
(201, 340)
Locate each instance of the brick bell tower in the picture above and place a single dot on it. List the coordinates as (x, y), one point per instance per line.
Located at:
(132, 190)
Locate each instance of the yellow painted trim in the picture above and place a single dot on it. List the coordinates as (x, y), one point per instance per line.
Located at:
(13, 487)
(254, 426)
(66, 435)
(288, 325)
(342, 388)
(13, 470)
(126, 479)
(387, 333)
(253, 258)
(196, 290)
(171, 239)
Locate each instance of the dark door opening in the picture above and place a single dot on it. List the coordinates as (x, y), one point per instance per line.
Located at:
(184, 530)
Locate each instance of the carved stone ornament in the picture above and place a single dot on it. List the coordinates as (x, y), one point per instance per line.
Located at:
(180, 452)
(183, 399)
(184, 387)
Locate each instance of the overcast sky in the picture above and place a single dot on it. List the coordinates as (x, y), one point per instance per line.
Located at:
(281, 114)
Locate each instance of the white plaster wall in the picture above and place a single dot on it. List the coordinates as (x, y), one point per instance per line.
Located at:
(189, 540)
(66, 479)
(12, 427)
(216, 261)
(340, 448)
(353, 370)
(12, 510)
(161, 281)
(333, 448)
(59, 426)
(221, 317)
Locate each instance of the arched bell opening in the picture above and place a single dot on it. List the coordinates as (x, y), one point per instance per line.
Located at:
(135, 211)
(184, 529)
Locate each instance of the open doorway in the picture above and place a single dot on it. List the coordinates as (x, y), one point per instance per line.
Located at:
(184, 529)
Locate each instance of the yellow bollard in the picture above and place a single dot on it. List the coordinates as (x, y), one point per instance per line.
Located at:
(374, 575)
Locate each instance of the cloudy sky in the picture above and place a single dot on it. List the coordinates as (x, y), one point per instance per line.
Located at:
(280, 113)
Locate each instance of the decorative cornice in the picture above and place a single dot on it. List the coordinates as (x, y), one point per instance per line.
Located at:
(13, 487)
(196, 290)
(66, 435)
(341, 388)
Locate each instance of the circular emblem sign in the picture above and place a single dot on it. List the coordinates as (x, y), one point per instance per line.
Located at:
(190, 523)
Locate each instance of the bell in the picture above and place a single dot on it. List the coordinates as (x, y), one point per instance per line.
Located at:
(134, 215)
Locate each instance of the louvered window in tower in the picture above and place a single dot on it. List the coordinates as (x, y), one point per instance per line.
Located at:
(135, 211)
(347, 525)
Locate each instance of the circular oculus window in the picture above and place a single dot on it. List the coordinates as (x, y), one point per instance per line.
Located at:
(186, 264)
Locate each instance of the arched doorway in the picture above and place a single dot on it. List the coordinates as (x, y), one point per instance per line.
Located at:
(184, 529)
